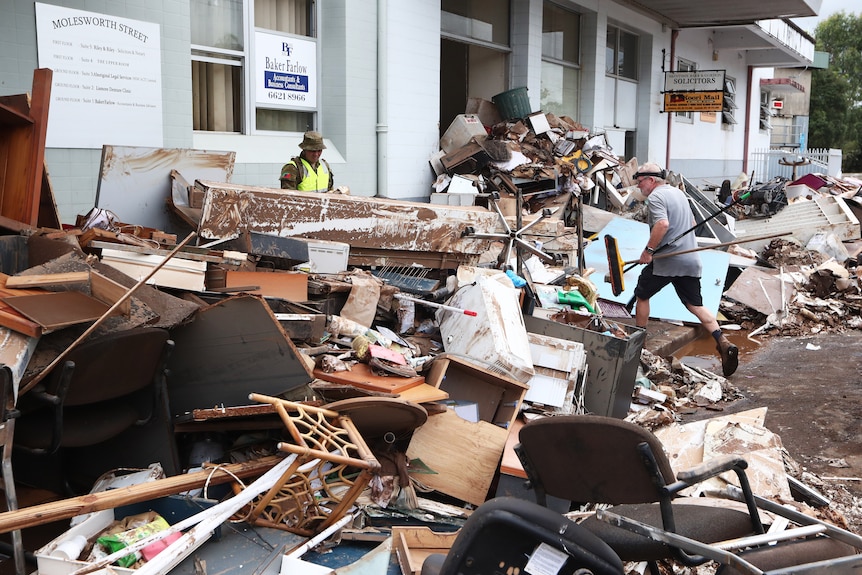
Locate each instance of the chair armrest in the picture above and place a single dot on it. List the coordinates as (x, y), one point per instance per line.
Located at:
(711, 468)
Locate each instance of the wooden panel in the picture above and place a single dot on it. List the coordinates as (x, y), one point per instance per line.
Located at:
(464, 454)
(55, 310)
(361, 376)
(10, 317)
(23, 127)
(414, 544)
(292, 286)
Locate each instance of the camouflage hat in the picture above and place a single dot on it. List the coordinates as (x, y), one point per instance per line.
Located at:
(312, 141)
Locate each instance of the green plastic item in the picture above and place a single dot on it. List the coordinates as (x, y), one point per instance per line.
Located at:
(575, 299)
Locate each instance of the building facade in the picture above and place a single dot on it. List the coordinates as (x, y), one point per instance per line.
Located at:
(383, 79)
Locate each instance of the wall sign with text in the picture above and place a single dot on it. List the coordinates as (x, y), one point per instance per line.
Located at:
(693, 101)
(285, 71)
(107, 86)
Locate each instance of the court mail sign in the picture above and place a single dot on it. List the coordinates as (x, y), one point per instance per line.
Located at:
(694, 91)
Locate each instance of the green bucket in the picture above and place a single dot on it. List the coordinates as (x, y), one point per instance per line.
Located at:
(513, 104)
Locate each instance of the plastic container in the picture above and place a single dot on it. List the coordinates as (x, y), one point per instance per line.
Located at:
(464, 127)
(496, 337)
(513, 104)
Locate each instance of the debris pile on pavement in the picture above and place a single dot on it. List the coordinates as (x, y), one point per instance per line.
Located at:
(423, 336)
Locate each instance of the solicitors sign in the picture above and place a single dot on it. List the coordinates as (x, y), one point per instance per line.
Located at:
(285, 70)
(107, 80)
(694, 91)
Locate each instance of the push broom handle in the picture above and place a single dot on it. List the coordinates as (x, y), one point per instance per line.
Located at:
(697, 225)
(701, 248)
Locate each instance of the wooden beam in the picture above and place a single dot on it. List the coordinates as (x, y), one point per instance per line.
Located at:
(42, 280)
(67, 508)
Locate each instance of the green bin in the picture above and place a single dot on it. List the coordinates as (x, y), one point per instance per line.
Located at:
(512, 104)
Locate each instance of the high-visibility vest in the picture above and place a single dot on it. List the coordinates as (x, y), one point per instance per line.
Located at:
(313, 180)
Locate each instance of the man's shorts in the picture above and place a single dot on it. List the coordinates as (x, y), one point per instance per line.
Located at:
(687, 287)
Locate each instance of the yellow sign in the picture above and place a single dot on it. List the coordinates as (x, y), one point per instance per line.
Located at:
(693, 101)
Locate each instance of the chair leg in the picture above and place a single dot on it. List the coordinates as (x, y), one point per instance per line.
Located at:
(12, 498)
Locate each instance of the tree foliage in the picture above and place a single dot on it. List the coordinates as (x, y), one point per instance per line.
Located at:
(836, 92)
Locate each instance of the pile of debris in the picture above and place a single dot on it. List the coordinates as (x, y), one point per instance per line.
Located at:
(387, 347)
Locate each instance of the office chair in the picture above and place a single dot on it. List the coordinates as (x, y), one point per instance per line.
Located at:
(508, 535)
(105, 386)
(602, 460)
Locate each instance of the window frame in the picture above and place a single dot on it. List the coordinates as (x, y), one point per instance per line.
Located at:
(248, 123)
(685, 65)
(728, 120)
(618, 32)
(566, 65)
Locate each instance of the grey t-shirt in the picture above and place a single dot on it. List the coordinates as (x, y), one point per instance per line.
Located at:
(669, 203)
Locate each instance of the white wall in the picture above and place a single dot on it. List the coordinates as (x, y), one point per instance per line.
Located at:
(701, 150)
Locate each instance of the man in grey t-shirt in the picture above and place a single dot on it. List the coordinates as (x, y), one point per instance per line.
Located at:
(670, 216)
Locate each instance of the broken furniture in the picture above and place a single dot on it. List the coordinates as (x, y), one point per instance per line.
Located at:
(105, 386)
(804, 545)
(332, 467)
(378, 230)
(613, 362)
(464, 450)
(23, 127)
(601, 460)
(135, 181)
(232, 348)
(509, 535)
(8, 413)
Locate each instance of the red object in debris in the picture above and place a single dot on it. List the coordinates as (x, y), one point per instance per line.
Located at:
(157, 547)
(381, 352)
(813, 181)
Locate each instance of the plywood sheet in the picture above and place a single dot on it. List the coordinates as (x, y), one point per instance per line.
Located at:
(464, 454)
(56, 310)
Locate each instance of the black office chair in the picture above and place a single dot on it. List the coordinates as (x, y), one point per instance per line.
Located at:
(602, 460)
(506, 534)
(105, 386)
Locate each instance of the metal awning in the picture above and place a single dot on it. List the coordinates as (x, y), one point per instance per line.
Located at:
(687, 14)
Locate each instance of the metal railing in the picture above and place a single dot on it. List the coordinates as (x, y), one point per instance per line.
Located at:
(767, 164)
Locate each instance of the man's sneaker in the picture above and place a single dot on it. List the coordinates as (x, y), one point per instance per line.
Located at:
(729, 356)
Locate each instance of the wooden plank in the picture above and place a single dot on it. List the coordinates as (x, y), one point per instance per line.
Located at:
(12, 318)
(414, 544)
(42, 280)
(464, 454)
(361, 376)
(56, 310)
(110, 292)
(67, 508)
(292, 286)
(363, 223)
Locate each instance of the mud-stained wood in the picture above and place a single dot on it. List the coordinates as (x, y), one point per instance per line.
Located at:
(364, 223)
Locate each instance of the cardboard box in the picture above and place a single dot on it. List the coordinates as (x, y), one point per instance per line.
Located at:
(414, 544)
(173, 508)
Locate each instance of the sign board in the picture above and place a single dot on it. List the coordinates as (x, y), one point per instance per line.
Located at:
(285, 71)
(107, 84)
(694, 81)
(693, 101)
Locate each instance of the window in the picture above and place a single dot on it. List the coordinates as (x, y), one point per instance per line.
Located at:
(560, 57)
(729, 106)
(221, 40)
(683, 65)
(765, 111)
(621, 53)
(480, 20)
